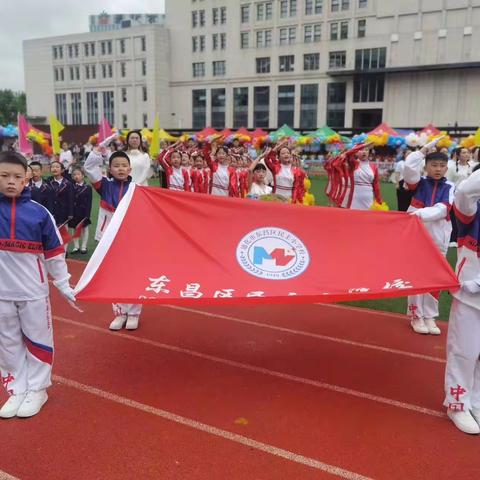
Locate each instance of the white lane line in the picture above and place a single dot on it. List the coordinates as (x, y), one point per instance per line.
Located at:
(264, 371)
(302, 333)
(381, 313)
(6, 476)
(240, 439)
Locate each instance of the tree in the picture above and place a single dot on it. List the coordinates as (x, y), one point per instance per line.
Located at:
(11, 103)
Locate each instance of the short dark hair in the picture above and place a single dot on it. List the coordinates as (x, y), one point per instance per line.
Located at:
(115, 155)
(436, 156)
(15, 158)
(62, 167)
(78, 169)
(260, 166)
(35, 164)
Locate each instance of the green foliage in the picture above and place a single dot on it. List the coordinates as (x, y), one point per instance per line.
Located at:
(11, 103)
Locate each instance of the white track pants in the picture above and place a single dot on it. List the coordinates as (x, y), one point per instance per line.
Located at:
(130, 310)
(424, 305)
(462, 374)
(26, 345)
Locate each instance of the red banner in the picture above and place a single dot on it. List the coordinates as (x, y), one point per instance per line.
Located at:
(176, 247)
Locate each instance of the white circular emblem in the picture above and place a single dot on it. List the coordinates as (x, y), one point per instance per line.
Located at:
(272, 253)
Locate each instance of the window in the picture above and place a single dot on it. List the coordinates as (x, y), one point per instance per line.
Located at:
(240, 107)
(343, 30)
(345, 4)
(368, 88)
(218, 107)
(264, 11)
(77, 73)
(312, 33)
(199, 108)
(122, 45)
(92, 108)
(223, 15)
(202, 43)
(92, 49)
(308, 106)
(123, 69)
(60, 53)
(55, 53)
(245, 13)
(283, 8)
(86, 49)
(144, 68)
(145, 120)
(87, 72)
(261, 107)
(337, 59)
(55, 73)
(198, 69)
(124, 121)
(286, 104)
(72, 74)
(61, 107)
(334, 31)
(93, 71)
(362, 3)
(76, 49)
(244, 40)
(103, 48)
(313, 7)
(263, 65)
(362, 28)
(201, 18)
(124, 95)
(288, 35)
(70, 51)
(110, 70)
(223, 41)
(335, 6)
(311, 61)
(286, 63)
(108, 107)
(194, 44)
(76, 104)
(215, 16)
(215, 41)
(106, 47)
(194, 19)
(144, 93)
(62, 76)
(264, 38)
(336, 95)
(370, 58)
(219, 68)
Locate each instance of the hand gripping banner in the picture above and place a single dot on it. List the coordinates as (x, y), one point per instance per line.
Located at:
(187, 248)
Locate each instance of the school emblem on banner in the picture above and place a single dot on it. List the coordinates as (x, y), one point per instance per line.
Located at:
(272, 253)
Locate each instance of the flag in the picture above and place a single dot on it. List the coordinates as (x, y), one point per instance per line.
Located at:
(104, 130)
(184, 248)
(65, 234)
(155, 143)
(24, 127)
(55, 128)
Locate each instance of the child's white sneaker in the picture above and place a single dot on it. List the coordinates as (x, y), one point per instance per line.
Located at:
(132, 322)
(11, 406)
(464, 421)
(32, 404)
(432, 326)
(118, 322)
(418, 325)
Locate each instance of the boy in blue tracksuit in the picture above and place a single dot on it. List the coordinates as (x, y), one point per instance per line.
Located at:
(30, 249)
(111, 191)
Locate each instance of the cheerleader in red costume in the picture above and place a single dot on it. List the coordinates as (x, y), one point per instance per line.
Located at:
(224, 177)
(177, 177)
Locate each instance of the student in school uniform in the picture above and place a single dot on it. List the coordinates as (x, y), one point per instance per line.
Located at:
(62, 198)
(40, 190)
(82, 207)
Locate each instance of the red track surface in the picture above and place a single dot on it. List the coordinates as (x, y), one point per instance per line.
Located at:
(279, 392)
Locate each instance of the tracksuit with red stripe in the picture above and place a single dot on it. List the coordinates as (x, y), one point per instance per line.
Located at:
(111, 192)
(30, 250)
(435, 198)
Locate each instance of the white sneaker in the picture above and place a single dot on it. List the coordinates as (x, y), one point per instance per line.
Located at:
(453, 244)
(464, 421)
(432, 326)
(132, 322)
(11, 406)
(32, 404)
(118, 322)
(418, 325)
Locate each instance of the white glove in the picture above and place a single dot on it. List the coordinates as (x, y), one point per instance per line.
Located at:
(108, 140)
(471, 286)
(431, 144)
(431, 214)
(66, 290)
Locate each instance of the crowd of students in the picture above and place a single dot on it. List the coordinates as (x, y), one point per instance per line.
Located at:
(31, 246)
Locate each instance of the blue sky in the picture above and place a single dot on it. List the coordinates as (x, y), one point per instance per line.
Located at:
(23, 19)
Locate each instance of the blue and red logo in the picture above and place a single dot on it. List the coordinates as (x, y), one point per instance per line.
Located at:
(272, 253)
